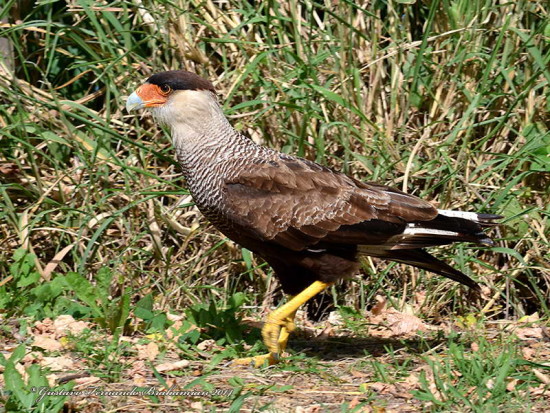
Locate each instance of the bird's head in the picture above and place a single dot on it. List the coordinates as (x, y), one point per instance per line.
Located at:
(177, 98)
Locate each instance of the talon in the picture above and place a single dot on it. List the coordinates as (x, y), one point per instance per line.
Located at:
(278, 326)
(257, 361)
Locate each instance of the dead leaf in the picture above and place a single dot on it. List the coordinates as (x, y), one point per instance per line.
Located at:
(86, 381)
(147, 351)
(58, 363)
(380, 305)
(22, 372)
(52, 379)
(539, 391)
(354, 402)
(402, 324)
(196, 406)
(44, 326)
(528, 353)
(541, 376)
(411, 382)
(206, 345)
(32, 357)
(65, 324)
(174, 329)
(47, 343)
(529, 318)
(327, 332)
(176, 365)
(309, 409)
(511, 385)
(527, 333)
(9, 168)
(335, 319)
(174, 317)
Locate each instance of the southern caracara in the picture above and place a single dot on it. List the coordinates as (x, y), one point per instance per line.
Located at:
(310, 223)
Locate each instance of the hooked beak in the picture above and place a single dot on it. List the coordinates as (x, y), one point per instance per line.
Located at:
(134, 102)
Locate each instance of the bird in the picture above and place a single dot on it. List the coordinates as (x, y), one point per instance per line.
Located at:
(310, 223)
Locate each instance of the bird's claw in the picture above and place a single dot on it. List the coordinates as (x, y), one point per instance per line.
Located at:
(268, 359)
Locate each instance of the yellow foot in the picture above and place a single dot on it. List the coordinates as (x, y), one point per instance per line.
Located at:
(276, 331)
(279, 325)
(257, 361)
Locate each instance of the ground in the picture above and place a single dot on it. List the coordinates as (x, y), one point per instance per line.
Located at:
(382, 361)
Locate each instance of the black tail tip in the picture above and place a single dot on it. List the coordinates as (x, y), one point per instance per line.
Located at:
(489, 219)
(485, 240)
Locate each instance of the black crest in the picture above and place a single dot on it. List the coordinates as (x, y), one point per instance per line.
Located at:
(181, 80)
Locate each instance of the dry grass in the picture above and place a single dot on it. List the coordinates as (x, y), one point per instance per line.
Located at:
(447, 100)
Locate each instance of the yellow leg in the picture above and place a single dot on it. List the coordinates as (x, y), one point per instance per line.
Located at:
(279, 324)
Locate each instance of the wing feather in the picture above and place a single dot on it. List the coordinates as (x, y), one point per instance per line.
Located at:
(297, 203)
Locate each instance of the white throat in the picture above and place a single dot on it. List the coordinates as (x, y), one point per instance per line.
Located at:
(196, 121)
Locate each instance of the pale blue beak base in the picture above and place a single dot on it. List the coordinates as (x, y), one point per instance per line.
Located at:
(134, 102)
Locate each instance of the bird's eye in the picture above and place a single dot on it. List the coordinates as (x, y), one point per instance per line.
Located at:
(165, 89)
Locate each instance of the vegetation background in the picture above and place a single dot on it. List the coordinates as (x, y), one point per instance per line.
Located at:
(445, 99)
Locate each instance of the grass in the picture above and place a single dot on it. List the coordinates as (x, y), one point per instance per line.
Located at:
(446, 99)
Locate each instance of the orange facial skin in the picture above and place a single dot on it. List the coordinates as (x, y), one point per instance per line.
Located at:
(153, 95)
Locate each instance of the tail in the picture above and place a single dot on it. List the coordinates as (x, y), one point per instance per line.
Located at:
(422, 259)
(447, 227)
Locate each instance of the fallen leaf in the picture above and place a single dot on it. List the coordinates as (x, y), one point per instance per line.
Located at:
(528, 353)
(541, 376)
(529, 318)
(511, 385)
(411, 382)
(309, 409)
(174, 317)
(22, 372)
(46, 343)
(176, 365)
(206, 345)
(44, 326)
(327, 332)
(196, 406)
(9, 168)
(58, 363)
(353, 403)
(402, 324)
(86, 381)
(540, 390)
(52, 379)
(527, 333)
(65, 324)
(147, 351)
(379, 306)
(335, 319)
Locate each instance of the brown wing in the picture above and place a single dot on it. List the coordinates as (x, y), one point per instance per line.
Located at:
(297, 203)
